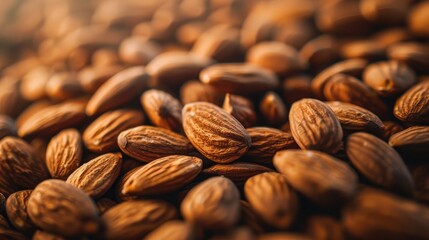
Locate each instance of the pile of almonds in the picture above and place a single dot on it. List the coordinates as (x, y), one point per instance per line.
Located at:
(214, 119)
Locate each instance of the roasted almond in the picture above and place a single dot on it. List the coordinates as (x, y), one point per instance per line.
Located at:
(136, 218)
(118, 90)
(97, 176)
(214, 132)
(78, 215)
(414, 139)
(101, 135)
(163, 175)
(91, 78)
(16, 208)
(272, 189)
(62, 86)
(64, 153)
(314, 126)
(240, 108)
(163, 110)
(273, 109)
(379, 162)
(212, 204)
(147, 143)
(11, 100)
(322, 178)
(413, 105)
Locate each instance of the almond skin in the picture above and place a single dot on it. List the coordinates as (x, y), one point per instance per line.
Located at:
(241, 108)
(272, 189)
(118, 90)
(64, 153)
(273, 109)
(101, 135)
(314, 126)
(136, 218)
(97, 176)
(18, 161)
(16, 208)
(163, 175)
(214, 133)
(58, 207)
(213, 204)
(379, 162)
(147, 143)
(319, 176)
(413, 105)
(414, 140)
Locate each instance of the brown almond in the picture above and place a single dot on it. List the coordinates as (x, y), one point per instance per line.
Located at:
(356, 118)
(137, 50)
(91, 78)
(392, 218)
(296, 88)
(134, 219)
(97, 176)
(64, 153)
(163, 175)
(178, 229)
(379, 162)
(272, 189)
(16, 208)
(147, 143)
(7, 126)
(314, 126)
(241, 109)
(239, 78)
(214, 132)
(163, 110)
(417, 20)
(414, 54)
(238, 172)
(273, 109)
(19, 163)
(11, 100)
(320, 52)
(118, 90)
(196, 91)
(52, 119)
(212, 204)
(319, 176)
(390, 128)
(101, 135)
(414, 140)
(366, 49)
(34, 82)
(120, 185)
(266, 142)
(31, 110)
(62, 86)
(413, 105)
(58, 207)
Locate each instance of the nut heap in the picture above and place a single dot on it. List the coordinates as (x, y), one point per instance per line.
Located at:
(214, 119)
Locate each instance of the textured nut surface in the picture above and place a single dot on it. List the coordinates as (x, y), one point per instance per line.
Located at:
(413, 105)
(16, 208)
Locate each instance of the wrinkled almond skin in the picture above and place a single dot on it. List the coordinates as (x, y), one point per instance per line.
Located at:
(319, 176)
(240, 108)
(379, 162)
(58, 207)
(179, 229)
(314, 126)
(272, 189)
(50, 120)
(16, 208)
(413, 105)
(163, 110)
(101, 135)
(163, 175)
(19, 163)
(97, 176)
(391, 218)
(64, 153)
(356, 118)
(147, 143)
(215, 133)
(237, 172)
(273, 109)
(213, 204)
(136, 218)
(118, 90)
(413, 140)
(266, 142)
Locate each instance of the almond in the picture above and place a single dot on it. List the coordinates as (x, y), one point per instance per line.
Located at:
(314, 126)
(241, 108)
(196, 91)
(97, 176)
(414, 140)
(413, 105)
(273, 109)
(176, 228)
(214, 133)
(16, 208)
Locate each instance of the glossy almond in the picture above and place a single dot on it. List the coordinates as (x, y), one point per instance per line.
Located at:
(19, 163)
(379, 162)
(237, 172)
(319, 176)
(58, 207)
(16, 208)
(136, 218)
(118, 90)
(213, 204)
(214, 132)
(147, 143)
(240, 108)
(101, 135)
(414, 139)
(413, 105)
(163, 175)
(97, 176)
(272, 189)
(273, 109)
(64, 153)
(163, 110)
(314, 126)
